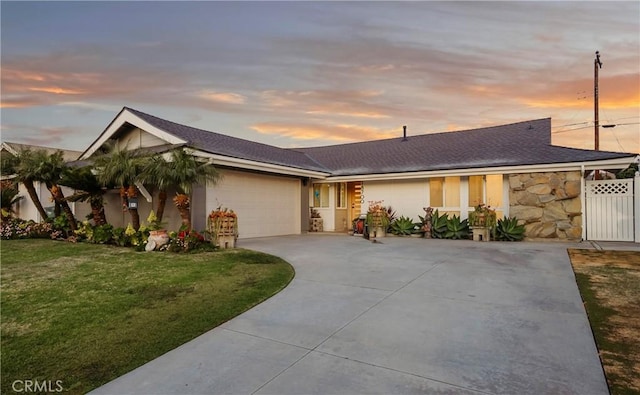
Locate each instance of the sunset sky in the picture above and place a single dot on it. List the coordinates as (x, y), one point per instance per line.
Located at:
(295, 74)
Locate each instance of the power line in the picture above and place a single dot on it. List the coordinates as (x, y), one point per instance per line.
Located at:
(570, 124)
(586, 127)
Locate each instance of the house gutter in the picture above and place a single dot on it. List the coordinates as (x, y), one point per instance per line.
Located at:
(575, 166)
(221, 160)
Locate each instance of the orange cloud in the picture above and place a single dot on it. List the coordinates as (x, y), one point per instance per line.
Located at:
(360, 104)
(56, 90)
(338, 133)
(620, 91)
(19, 101)
(223, 97)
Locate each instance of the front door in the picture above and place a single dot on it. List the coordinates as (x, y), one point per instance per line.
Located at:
(354, 192)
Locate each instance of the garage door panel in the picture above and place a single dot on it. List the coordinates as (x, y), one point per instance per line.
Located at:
(266, 205)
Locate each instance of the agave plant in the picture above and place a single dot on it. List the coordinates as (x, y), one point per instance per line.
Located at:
(508, 229)
(439, 225)
(457, 229)
(402, 226)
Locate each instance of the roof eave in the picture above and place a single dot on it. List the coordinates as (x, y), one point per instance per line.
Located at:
(227, 161)
(123, 117)
(536, 168)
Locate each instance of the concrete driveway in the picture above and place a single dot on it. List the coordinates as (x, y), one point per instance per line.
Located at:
(399, 317)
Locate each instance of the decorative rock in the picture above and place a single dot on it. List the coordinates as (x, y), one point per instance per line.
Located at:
(537, 180)
(576, 221)
(528, 214)
(553, 212)
(515, 184)
(572, 188)
(526, 198)
(564, 225)
(532, 229)
(546, 198)
(539, 189)
(549, 204)
(548, 230)
(573, 176)
(561, 194)
(573, 206)
(555, 181)
(574, 233)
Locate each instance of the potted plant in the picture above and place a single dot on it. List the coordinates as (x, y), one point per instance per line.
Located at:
(158, 235)
(482, 221)
(377, 219)
(223, 227)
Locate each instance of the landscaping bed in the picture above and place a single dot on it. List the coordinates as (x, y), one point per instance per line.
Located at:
(609, 283)
(79, 315)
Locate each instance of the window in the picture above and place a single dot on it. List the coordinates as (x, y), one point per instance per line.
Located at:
(476, 190)
(320, 195)
(494, 190)
(452, 191)
(485, 189)
(436, 192)
(341, 201)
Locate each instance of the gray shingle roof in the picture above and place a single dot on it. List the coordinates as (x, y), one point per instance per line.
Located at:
(67, 155)
(216, 143)
(517, 144)
(522, 143)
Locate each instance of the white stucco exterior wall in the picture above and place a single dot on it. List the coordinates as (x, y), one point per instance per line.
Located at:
(406, 197)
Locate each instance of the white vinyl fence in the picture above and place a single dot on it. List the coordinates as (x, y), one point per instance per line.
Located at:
(610, 210)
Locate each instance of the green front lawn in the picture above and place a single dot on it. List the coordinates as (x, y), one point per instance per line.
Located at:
(85, 314)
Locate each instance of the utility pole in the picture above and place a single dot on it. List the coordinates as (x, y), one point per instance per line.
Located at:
(597, 64)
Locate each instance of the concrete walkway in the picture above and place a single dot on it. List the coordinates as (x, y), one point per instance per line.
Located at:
(398, 317)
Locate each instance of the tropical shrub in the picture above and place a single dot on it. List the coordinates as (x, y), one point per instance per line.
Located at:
(457, 229)
(402, 226)
(439, 225)
(61, 227)
(102, 234)
(508, 229)
(9, 197)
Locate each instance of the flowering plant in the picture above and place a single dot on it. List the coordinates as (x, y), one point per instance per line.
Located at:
(222, 222)
(377, 215)
(222, 213)
(15, 228)
(483, 216)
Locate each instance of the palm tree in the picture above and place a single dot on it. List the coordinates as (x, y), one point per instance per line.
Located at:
(87, 188)
(157, 172)
(9, 197)
(122, 168)
(25, 166)
(49, 169)
(181, 170)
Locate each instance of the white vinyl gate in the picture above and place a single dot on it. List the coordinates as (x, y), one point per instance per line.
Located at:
(609, 210)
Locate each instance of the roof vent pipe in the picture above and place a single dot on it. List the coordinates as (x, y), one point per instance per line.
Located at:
(404, 133)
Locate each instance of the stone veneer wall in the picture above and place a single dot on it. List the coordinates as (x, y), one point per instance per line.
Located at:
(548, 203)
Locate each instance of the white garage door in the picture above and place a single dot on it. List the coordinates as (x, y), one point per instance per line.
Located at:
(266, 205)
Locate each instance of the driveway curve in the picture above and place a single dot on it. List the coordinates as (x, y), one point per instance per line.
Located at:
(402, 316)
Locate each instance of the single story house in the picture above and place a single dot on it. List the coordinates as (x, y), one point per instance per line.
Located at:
(513, 168)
